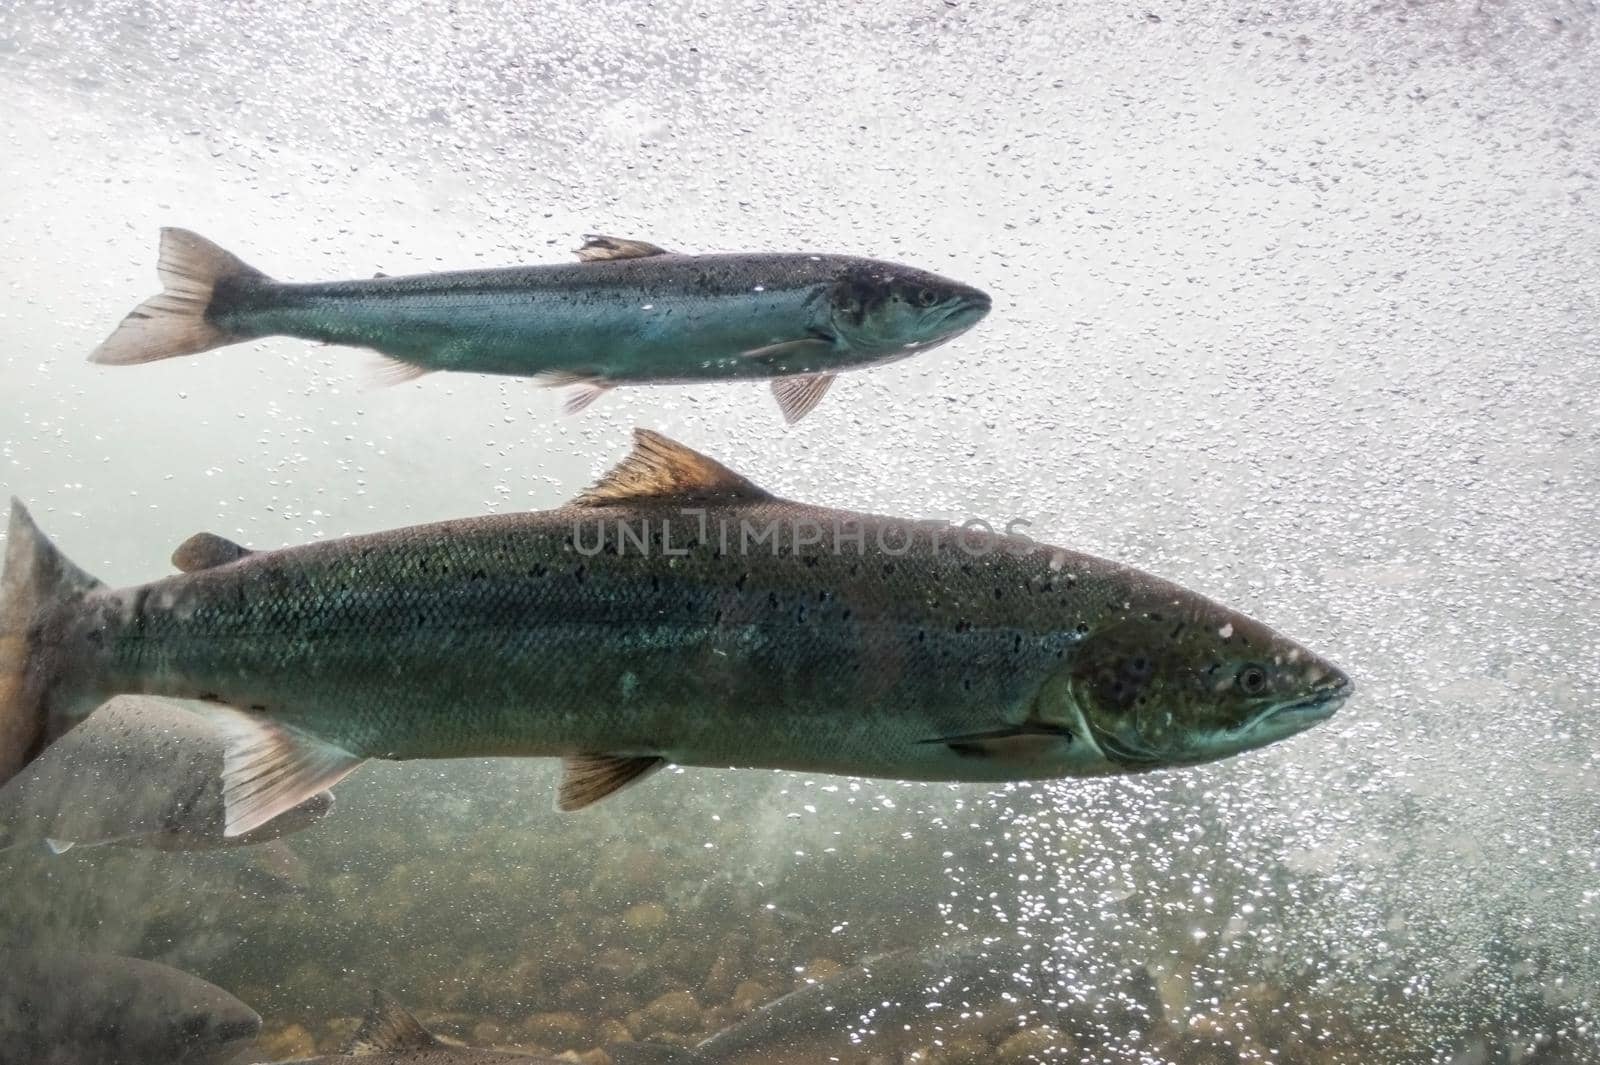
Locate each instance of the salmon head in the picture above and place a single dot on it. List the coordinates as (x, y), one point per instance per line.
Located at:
(890, 311)
(1194, 683)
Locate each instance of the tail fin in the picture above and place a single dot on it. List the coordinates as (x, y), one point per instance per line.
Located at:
(175, 323)
(36, 577)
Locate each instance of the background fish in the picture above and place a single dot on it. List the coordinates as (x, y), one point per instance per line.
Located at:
(58, 1008)
(139, 772)
(844, 643)
(822, 1020)
(628, 313)
(390, 1035)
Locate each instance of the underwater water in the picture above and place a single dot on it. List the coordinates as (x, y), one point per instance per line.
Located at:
(1298, 306)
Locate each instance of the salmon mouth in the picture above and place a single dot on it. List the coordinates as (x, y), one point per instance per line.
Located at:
(966, 311)
(1301, 714)
(1318, 707)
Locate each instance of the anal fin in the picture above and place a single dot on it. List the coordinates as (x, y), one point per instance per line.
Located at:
(588, 778)
(797, 395)
(269, 768)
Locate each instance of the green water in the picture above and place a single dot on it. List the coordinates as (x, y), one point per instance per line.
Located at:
(1293, 306)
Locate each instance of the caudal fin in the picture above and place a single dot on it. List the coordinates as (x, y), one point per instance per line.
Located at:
(175, 322)
(37, 577)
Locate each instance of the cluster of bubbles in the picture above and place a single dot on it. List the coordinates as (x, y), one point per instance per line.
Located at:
(1293, 306)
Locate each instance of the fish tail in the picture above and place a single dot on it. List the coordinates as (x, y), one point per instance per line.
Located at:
(178, 322)
(37, 579)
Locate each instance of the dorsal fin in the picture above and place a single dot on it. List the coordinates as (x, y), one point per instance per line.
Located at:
(588, 778)
(597, 247)
(204, 550)
(389, 1027)
(660, 468)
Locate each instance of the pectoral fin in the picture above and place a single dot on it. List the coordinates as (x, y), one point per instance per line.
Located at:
(60, 846)
(269, 768)
(588, 778)
(598, 248)
(791, 356)
(1012, 743)
(797, 395)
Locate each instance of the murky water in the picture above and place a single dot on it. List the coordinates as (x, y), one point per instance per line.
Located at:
(1297, 308)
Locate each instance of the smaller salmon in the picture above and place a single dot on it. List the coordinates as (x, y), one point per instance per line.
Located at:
(60, 1008)
(628, 313)
(140, 772)
(892, 996)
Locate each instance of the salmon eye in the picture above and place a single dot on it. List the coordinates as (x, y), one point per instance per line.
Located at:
(925, 297)
(1252, 680)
